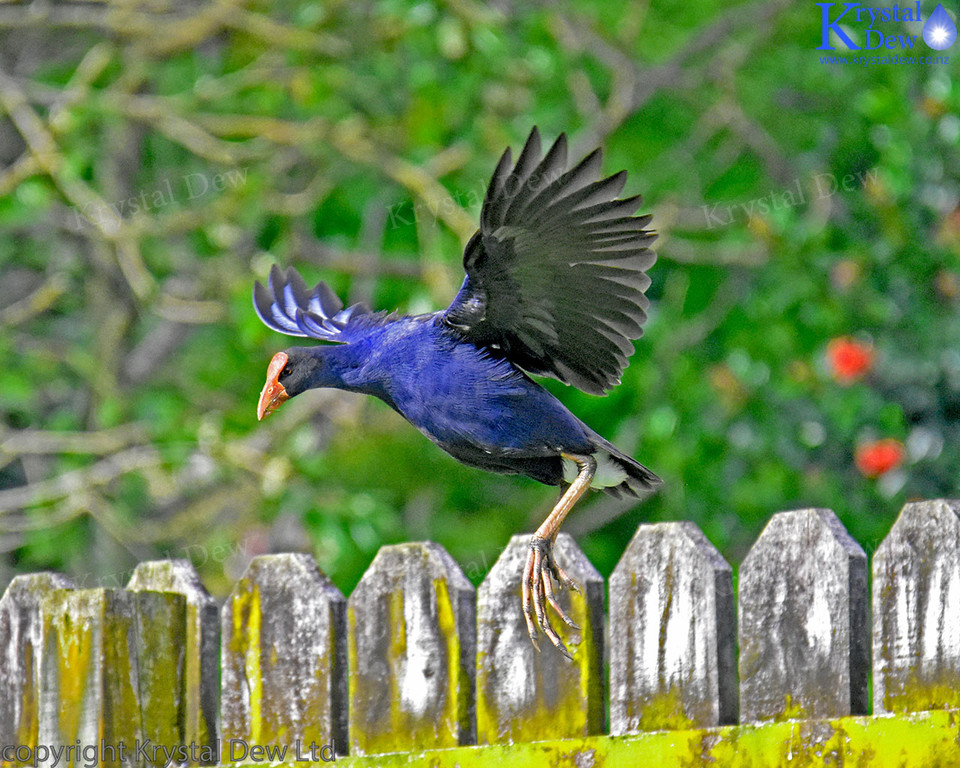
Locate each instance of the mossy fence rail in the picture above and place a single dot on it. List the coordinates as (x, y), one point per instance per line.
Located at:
(418, 669)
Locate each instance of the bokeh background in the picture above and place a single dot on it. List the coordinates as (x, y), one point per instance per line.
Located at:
(157, 157)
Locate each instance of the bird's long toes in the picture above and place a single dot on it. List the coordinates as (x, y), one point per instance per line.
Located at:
(566, 618)
(546, 594)
(528, 591)
(551, 633)
(561, 575)
(569, 583)
(533, 635)
(554, 603)
(539, 588)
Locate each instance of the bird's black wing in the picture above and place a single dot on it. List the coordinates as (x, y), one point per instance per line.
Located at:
(556, 273)
(288, 306)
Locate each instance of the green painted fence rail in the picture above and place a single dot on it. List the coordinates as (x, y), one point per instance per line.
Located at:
(418, 668)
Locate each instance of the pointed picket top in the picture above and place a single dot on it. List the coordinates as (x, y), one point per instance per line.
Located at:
(412, 628)
(525, 695)
(803, 620)
(20, 648)
(112, 671)
(916, 610)
(283, 659)
(672, 625)
(202, 645)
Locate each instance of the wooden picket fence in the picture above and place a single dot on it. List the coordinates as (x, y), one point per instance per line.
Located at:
(417, 669)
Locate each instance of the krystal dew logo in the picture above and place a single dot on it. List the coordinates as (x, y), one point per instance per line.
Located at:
(939, 30)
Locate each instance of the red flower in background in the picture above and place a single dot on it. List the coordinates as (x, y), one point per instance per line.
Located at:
(876, 458)
(849, 359)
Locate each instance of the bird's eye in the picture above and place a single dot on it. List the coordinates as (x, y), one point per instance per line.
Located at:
(286, 371)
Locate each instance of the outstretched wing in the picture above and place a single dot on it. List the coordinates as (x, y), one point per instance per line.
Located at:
(556, 273)
(288, 306)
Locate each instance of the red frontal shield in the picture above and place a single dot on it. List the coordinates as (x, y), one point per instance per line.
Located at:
(273, 394)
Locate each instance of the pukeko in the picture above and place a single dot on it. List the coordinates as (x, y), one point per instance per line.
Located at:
(555, 286)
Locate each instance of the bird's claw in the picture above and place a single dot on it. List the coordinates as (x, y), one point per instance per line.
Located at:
(538, 575)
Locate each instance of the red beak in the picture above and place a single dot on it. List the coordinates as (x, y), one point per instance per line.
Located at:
(273, 394)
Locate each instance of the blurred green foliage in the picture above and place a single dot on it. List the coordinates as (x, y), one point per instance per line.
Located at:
(157, 160)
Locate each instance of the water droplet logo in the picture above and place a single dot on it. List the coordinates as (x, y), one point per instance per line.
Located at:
(939, 32)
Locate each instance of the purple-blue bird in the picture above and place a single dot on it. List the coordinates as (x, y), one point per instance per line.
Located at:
(555, 286)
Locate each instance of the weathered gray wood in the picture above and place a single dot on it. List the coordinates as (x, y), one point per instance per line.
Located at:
(412, 627)
(672, 626)
(112, 671)
(523, 695)
(916, 610)
(283, 658)
(201, 689)
(20, 647)
(803, 619)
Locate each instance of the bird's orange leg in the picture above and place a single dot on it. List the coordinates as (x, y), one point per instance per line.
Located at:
(537, 586)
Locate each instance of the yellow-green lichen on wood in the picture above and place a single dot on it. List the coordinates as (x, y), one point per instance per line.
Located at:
(673, 662)
(160, 658)
(89, 685)
(283, 657)
(411, 652)
(916, 610)
(525, 695)
(201, 674)
(21, 642)
(920, 740)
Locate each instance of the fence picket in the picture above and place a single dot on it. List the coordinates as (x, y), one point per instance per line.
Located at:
(523, 695)
(21, 643)
(916, 610)
(283, 661)
(412, 629)
(803, 620)
(672, 656)
(94, 689)
(202, 647)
